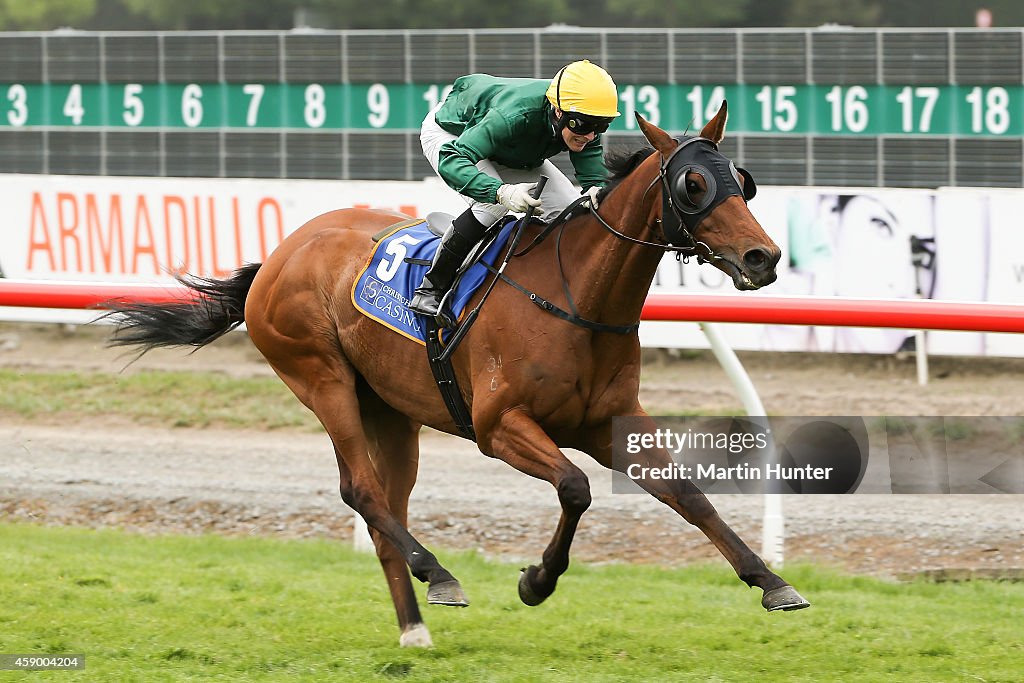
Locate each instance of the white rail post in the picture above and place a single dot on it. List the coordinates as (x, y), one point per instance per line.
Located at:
(921, 355)
(361, 541)
(773, 529)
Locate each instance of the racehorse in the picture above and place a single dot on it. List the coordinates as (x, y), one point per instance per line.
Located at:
(534, 383)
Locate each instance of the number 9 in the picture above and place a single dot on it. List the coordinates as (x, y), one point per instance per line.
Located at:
(378, 101)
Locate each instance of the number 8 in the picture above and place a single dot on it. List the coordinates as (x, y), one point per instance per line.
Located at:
(315, 112)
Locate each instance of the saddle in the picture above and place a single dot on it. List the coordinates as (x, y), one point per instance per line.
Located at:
(481, 257)
(386, 301)
(437, 221)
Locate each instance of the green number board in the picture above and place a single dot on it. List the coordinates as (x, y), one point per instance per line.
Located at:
(962, 110)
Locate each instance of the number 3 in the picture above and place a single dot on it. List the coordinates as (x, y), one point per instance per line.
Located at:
(18, 97)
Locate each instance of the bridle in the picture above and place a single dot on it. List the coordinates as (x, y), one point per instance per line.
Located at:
(681, 214)
(683, 252)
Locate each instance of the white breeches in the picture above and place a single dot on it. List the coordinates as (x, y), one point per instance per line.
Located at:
(558, 193)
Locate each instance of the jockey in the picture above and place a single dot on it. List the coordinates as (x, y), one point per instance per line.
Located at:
(490, 141)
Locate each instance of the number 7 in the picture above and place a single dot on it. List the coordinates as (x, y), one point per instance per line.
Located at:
(255, 93)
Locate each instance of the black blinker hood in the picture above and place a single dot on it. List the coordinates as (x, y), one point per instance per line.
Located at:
(680, 214)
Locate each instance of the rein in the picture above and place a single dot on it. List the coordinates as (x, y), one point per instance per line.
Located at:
(571, 317)
(681, 252)
(694, 247)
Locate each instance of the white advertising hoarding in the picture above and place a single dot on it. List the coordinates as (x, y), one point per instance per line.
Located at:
(146, 229)
(1005, 274)
(953, 244)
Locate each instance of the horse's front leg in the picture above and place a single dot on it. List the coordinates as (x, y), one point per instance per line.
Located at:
(683, 496)
(518, 440)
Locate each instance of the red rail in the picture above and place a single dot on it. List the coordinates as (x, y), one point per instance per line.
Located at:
(82, 295)
(904, 313)
(914, 314)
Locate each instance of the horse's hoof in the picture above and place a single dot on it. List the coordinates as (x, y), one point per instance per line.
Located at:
(447, 593)
(415, 635)
(784, 598)
(526, 592)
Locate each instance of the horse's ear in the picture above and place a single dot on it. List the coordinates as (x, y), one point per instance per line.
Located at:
(658, 138)
(715, 130)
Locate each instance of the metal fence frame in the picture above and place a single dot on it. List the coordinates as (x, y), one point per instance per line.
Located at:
(722, 56)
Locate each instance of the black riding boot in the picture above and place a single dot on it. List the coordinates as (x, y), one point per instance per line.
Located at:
(456, 244)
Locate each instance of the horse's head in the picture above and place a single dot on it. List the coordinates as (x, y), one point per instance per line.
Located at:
(704, 204)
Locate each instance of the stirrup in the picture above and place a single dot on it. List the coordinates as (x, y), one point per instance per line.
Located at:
(425, 303)
(442, 318)
(439, 315)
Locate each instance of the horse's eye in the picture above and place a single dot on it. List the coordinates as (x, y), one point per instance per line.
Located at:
(692, 186)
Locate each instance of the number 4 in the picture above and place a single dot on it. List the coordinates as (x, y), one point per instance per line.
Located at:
(73, 108)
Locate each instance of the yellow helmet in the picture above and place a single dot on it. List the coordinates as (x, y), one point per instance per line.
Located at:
(584, 88)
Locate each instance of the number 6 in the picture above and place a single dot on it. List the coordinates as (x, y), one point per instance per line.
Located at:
(192, 105)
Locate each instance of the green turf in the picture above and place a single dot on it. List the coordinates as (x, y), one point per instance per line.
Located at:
(172, 399)
(211, 608)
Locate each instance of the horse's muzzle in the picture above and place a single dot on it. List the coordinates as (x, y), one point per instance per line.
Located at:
(760, 264)
(754, 270)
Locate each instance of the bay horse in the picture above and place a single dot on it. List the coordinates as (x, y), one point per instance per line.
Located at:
(534, 383)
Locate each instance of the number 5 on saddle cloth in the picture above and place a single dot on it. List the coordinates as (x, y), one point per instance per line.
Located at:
(386, 283)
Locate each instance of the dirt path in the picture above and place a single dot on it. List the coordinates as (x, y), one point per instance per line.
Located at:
(285, 484)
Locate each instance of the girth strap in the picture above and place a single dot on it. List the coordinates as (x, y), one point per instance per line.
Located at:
(444, 375)
(440, 356)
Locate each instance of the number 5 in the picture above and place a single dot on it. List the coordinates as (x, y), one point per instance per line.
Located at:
(397, 249)
(133, 109)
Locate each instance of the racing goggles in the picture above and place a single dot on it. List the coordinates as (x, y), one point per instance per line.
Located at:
(584, 124)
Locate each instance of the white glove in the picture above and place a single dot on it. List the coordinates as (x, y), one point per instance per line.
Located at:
(517, 197)
(592, 193)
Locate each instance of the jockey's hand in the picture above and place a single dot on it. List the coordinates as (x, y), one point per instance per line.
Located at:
(517, 197)
(592, 193)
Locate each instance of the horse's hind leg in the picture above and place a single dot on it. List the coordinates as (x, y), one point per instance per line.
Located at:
(394, 450)
(361, 490)
(518, 440)
(325, 382)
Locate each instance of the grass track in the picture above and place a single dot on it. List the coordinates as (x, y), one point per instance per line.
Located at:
(209, 608)
(166, 399)
(156, 398)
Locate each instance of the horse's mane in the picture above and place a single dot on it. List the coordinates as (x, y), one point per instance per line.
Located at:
(620, 163)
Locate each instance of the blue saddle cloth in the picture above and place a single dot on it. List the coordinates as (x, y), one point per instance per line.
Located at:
(385, 285)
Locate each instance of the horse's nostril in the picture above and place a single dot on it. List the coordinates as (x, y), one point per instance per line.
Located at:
(757, 259)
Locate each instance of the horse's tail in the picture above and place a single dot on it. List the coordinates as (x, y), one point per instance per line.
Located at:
(217, 307)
